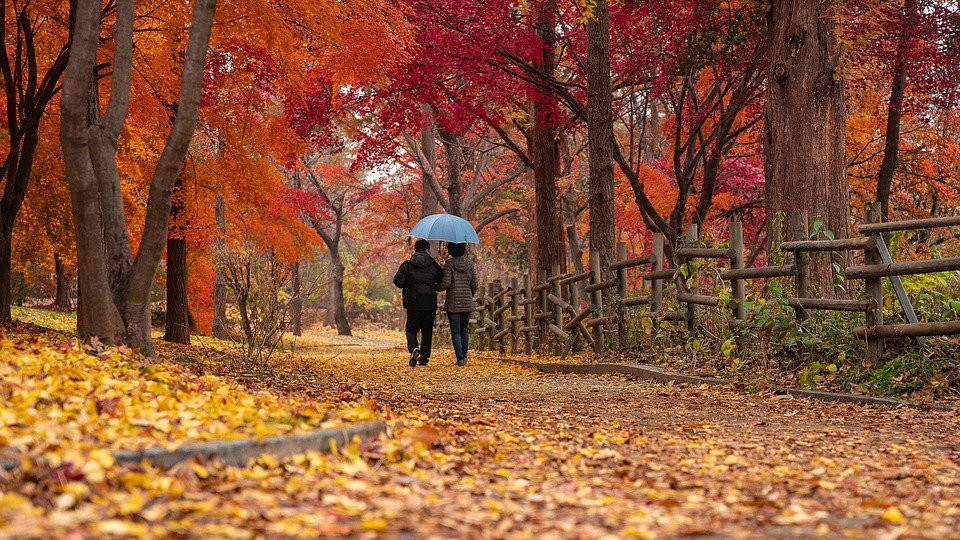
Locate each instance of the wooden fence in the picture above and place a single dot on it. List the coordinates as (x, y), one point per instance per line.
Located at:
(562, 309)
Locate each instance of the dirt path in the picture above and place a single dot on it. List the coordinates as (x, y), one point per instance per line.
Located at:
(525, 455)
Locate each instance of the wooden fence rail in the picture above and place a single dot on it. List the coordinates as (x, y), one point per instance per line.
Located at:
(552, 314)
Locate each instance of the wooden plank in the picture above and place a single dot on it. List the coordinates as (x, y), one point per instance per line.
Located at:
(543, 316)
(693, 232)
(841, 244)
(656, 285)
(529, 301)
(527, 304)
(665, 273)
(600, 323)
(889, 331)
(676, 316)
(897, 284)
(787, 270)
(558, 331)
(909, 224)
(630, 263)
(874, 289)
(529, 329)
(578, 319)
(502, 334)
(832, 304)
(636, 301)
(698, 299)
(798, 230)
(514, 318)
(902, 268)
(737, 286)
(558, 301)
(704, 253)
(560, 277)
(609, 284)
(621, 279)
(597, 300)
(576, 278)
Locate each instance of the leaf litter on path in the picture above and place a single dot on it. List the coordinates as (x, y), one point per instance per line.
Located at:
(491, 450)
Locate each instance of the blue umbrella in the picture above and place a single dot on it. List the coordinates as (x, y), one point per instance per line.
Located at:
(445, 227)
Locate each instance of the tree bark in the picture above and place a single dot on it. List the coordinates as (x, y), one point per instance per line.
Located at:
(336, 304)
(543, 148)
(61, 300)
(117, 307)
(220, 327)
(805, 123)
(429, 203)
(599, 133)
(453, 152)
(891, 144)
(177, 320)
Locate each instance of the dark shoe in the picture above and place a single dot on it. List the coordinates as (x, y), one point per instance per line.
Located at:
(424, 361)
(462, 362)
(414, 356)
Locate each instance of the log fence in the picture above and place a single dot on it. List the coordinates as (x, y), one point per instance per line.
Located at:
(566, 311)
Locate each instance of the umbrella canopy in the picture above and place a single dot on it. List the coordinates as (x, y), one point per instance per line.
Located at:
(445, 227)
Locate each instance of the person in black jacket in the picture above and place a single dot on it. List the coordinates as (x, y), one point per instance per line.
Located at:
(419, 277)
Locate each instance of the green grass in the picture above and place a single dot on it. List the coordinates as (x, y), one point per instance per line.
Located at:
(54, 320)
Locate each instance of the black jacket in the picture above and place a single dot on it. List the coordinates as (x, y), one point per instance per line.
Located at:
(419, 278)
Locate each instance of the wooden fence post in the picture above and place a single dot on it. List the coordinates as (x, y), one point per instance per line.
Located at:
(597, 300)
(874, 288)
(692, 235)
(491, 321)
(622, 292)
(557, 310)
(479, 310)
(541, 318)
(798, 231)
(527, 316)
(656, 286)
(736, 263)
(514, 311)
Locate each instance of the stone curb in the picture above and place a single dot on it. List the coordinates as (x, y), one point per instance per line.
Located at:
(238, 451)
(658, 374)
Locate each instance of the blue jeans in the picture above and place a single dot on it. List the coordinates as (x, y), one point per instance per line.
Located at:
(460, 332)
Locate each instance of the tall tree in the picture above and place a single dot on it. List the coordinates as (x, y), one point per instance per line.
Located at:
(805, 121)
(36, 46)
(177, 320)
(116, 286)
(600, 133)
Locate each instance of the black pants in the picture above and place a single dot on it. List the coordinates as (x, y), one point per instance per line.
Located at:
(420, 321)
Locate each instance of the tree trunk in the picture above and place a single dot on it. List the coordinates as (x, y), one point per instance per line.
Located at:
(336, 304)
(891, 145)
(61, 300)
(6, 270)
(429, 204)
(453, 152)
(570, 223)
(177, 319)
(543, 148)
(805, 122)
(599, 133)
(296, 300)
(220, 327)
(117, 307)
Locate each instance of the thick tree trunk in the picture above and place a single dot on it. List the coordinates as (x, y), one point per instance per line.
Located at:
(296, 300)
(336, 304)
(805, 122)
(599, 133)
(116, 308)
(429, 203)
(177, 320)
(543, 149)
(891, 145)
(61, 300)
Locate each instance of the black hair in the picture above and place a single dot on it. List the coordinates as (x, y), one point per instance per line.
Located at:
(421, 245)
(456, 250)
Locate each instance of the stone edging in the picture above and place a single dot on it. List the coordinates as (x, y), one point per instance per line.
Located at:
(238, 451)
(658, 374)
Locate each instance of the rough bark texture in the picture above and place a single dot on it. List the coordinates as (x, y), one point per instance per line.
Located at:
(116, 304)
(453, 152)
(543, 149)
(599, 133)
(891, 145)
(805, 121)
(177, 320)
(220, 327)
(61, 300)
(336, 305)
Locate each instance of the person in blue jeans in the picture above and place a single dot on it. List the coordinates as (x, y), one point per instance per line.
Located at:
(460, 282)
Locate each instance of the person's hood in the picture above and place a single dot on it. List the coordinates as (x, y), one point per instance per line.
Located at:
(460, 264)
(422, 259)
